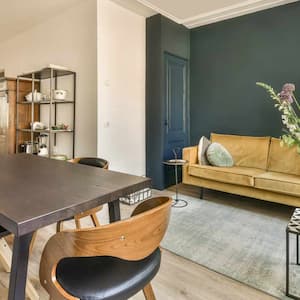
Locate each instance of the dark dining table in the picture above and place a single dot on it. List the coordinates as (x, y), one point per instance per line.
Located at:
(36, 192)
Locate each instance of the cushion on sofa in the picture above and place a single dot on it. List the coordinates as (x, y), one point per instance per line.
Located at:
(234, 175)
(283, 159)
(218, 155)
(278, 182)
(202, 147)
(247, 151)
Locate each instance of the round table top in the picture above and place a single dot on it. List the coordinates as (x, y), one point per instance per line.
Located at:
(175, 162)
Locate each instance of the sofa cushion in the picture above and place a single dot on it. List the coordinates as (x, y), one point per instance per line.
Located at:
(247, 151)
(278, 182)
(234, 175)
(283, 159)
(202, 147)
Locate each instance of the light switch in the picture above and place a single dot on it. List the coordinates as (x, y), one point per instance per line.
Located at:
(106, 124)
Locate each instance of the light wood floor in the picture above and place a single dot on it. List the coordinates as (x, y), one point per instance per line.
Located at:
(178, 278)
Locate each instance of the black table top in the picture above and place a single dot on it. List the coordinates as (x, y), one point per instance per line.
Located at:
(36, 191)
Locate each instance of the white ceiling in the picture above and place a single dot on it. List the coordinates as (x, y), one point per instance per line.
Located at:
(194, 13)
(17, 16)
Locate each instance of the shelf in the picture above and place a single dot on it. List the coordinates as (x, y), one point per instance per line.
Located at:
(46, 73)
(45, 130)
(47, 102)
(28, 111)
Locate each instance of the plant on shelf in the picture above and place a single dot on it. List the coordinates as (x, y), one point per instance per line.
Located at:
(61, 126)
(287, 104)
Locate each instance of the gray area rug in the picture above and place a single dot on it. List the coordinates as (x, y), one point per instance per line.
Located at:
(239, 237)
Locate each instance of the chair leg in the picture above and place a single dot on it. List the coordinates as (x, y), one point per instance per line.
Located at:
(5, 260)
(31, 292)
(95, 220)
(148, 292)
(59, 226)
(77, 222)
(32, 242)
(5, 255)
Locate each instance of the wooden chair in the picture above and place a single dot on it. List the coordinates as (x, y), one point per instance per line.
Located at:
(113, 261)
(92, 213)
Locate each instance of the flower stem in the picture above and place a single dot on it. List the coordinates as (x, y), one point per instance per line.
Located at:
(295, 100)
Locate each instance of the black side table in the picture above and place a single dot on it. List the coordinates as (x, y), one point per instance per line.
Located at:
(177, 162)
(293, 227)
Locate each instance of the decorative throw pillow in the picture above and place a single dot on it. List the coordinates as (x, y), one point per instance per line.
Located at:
(219, 156)
(202, 147)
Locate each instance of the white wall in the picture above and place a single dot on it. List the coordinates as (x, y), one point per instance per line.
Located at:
(121, 87)
(68, 39)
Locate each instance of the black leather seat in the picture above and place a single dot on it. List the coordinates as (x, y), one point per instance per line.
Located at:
(106, 277)
(93, 161)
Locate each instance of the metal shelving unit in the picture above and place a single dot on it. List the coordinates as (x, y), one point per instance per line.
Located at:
(52, 75)
(48, 102)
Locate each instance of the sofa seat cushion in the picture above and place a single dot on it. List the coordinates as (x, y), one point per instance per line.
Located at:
(235, 175)
(278, 182)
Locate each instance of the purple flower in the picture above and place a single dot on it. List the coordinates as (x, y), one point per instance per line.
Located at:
(289, 88)
(285, 96)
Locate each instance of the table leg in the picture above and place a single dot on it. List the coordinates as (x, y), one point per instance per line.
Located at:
(19, 266)
(114, 211)
(179, 203)
(176, 183)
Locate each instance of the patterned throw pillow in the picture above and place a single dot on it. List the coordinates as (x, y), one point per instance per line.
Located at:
(218, 156)
(202, 147)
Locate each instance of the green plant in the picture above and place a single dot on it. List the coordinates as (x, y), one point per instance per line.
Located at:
(287, 104)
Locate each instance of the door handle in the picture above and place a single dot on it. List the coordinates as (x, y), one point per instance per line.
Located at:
(166, 123)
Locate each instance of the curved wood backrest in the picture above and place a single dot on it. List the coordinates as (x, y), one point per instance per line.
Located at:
(77, 159)
(131, 239)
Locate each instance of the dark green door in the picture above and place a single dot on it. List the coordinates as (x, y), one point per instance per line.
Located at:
(176, 105)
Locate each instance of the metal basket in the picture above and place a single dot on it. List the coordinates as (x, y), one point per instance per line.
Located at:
(137, 196)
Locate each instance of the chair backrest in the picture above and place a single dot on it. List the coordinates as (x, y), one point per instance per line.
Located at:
(131, 239)
(92, 161)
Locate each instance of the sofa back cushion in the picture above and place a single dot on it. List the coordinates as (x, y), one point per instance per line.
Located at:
(283, 159)
(247, 151)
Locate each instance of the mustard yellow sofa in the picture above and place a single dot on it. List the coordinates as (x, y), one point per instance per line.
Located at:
(262, 169)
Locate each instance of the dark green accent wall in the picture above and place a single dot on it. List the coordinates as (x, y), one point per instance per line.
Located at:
(228, 57)
(162, 35)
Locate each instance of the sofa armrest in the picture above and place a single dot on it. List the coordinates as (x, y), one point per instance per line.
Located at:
(190, 154)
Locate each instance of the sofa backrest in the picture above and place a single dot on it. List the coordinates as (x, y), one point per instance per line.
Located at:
(247, 151)
(283, 159)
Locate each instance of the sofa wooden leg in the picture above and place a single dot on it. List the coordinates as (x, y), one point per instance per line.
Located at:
(201, 193)
(148, 292)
